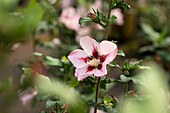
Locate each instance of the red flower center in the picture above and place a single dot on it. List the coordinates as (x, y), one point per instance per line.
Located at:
(99, 66)
(90, 68)
(95, 54)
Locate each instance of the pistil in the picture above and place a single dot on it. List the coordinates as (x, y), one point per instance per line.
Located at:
(93, 62)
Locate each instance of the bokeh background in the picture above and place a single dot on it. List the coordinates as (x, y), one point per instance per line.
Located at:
(142, 32)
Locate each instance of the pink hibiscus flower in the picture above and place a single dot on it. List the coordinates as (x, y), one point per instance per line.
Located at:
(27, 95)
(93, 59)
(70, 18)
(118, 13)
(97, 5)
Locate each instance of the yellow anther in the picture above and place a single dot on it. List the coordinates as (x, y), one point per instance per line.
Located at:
(93, 62)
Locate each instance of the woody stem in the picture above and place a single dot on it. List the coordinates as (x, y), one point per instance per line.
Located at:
(125, 89)
(108, 16)
(97, 94)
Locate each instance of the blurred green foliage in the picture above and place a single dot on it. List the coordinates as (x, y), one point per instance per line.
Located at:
(55, 88)
(14, 24)
(154, 86)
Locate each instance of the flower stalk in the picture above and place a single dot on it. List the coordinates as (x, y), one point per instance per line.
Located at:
(108, 16)
(98, 79)
(125, 89)
(97, 94)
(66, 76)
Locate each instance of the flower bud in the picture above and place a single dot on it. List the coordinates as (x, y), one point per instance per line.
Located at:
(115, 101)
(131, 92)
(94, 17)
(126, 72)
(158, 58)
(52, 111)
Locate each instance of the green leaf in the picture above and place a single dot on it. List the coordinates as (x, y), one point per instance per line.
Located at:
(37, 54)
(107, 101)
(90, 81)
(27, 70)
(33, 14)
(84, 19)
(132, 66)
(165, 42)
(112, 18)
(94, 10)
(146, 48)
(49, 60)
(48, 44)
(104, 82)
(136, 63)
(152, 34)
(129, 68)
(102, 25)
(114, 64)
(114, 42)
(74, 82)
(42, 26)
(52, 61)
(120, 53)
(165, 54)
(162, 35)
(101, 15)
(50, 103)
(124, 78)
(144, 67)
(43, 112)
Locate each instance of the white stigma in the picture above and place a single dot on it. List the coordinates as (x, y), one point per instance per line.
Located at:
(93, 62)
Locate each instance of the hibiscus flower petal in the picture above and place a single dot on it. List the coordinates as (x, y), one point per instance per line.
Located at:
(84, 72)
(78, 57)
(81, 77)
(90, 46)
(108, 51)
(100, 70)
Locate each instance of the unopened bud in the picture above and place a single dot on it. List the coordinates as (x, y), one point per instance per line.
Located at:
(52, 112)
(115, 101)
(126, 72)
(131, 92)
(94, 17)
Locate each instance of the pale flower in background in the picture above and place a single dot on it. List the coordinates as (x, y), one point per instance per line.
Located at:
(15, 46)
(22, 78)
(82, 10)
(27, 95)
(118, 13)
(70, 18)
(56, 41)
(93, 58)
(66, 3)
(83, 31)
(97, 5)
